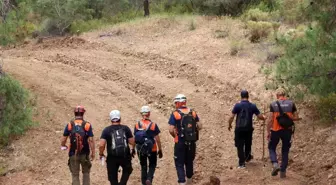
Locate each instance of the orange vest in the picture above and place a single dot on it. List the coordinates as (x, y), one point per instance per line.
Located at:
(144, 124)
(276, 126)
(178, 117)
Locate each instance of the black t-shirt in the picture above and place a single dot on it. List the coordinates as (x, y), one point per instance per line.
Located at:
(107, 134)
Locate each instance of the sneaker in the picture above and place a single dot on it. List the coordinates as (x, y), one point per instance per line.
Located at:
(148, 182)
(189, 181)
(241, 166)
(282, 174)
(275, 170)
(249, 158)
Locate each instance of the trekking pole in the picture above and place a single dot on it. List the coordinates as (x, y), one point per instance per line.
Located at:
(263, 135)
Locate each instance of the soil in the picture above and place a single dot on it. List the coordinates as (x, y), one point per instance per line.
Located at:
(148, 62)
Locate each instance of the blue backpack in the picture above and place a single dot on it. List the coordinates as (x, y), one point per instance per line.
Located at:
(144, 143)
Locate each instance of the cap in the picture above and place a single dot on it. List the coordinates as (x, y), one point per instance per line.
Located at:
(115, 115)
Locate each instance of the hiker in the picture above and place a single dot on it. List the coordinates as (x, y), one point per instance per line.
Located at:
(244, 111)
(148, 145)
(184, 127)
(119, 143)
(280, 125)
(81, 143)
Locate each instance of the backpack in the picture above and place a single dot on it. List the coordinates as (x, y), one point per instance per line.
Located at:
(283, 119)
(243, 119)
(188, 126)
(77, 136)
(144, 143)
(119, 143)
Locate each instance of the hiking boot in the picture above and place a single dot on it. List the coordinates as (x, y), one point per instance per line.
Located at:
(282, 174)
(275, 170)
(189, 181)
(241, 166)
(249, 158)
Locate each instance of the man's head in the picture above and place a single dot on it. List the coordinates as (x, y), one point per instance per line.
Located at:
(145, 112)
(180, 100)
(244, 94)
(281, 92)
(115, 116)
(79, 112)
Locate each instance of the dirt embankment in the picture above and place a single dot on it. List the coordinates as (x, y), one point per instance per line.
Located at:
(149, 62)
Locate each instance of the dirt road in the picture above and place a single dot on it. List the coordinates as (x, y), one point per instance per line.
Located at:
(125, 67)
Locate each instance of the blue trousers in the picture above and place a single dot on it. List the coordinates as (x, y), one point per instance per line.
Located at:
(286, 138)
(184, 155)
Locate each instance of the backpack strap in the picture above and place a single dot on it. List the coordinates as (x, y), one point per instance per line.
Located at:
(279, 106)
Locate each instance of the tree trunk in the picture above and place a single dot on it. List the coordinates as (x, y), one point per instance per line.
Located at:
(146, 7)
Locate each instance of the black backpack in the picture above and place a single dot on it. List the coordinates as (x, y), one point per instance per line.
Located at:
(243, 119)
(189, 129)
(119, 143)
(77, 136)
(144, 143)
(283, 119)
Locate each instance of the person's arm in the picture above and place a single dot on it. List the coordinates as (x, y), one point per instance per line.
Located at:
(131, 140)
(172, 131)
(172, 126)
(91, 142)
(231, 121)
(158, 142)
(102, 144)
(64, 138)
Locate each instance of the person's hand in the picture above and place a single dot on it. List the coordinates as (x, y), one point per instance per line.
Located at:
(133, 152)
(92, 156)
(160, 154)
(101, 156)
(64, 148)
(269, 137)
(230, 127)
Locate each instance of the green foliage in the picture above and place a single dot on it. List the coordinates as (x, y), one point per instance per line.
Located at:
(310, 61)
(16, 26)
(327, 108)
(259, 30)
(16, 115)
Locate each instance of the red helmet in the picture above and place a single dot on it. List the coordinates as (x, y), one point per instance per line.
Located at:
(80, 109)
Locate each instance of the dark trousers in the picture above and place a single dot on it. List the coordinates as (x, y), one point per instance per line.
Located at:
(243, 142)
(147, 171)
(286, 139)
(113, 164)
(184, 155)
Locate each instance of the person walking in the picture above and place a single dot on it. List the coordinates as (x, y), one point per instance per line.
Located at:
(119, 142)
(148, 145)
(281, 126)
(82, 146)
(244, 111)
(184, 127)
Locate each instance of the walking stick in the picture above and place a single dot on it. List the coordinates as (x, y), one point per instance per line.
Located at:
(263, 135)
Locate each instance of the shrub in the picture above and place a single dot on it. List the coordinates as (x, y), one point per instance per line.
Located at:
(16, 113)
(256, 15)
(235, 47)
(259, 30)
(192, 25)
(327, 108)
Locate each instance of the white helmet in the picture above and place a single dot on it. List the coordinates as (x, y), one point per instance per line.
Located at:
(145, 109)
(115, 115)
(180, 98)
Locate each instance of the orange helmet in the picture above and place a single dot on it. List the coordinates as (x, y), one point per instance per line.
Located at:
(79, 109)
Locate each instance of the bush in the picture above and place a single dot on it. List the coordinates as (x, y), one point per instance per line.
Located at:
(327, 108)
(16, 113)
(235, 47)
(256, 15)
(259, 30)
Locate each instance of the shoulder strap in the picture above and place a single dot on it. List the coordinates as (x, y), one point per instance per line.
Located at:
(71, 125)
(149, 126)
(279, 106)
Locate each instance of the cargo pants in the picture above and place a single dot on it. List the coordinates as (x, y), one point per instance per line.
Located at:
(74, 163)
